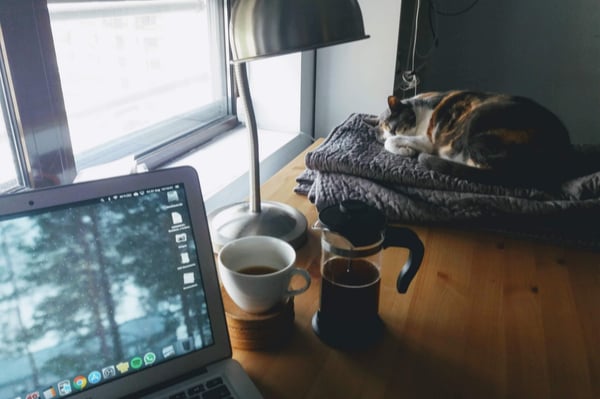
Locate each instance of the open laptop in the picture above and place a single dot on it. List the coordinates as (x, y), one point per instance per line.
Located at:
(108, 289)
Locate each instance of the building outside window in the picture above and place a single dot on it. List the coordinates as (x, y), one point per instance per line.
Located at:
(104, 80)
(8, 171)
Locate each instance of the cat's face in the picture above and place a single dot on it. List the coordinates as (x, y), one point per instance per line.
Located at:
(398, 119)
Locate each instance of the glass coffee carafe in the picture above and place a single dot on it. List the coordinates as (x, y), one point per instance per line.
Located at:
(353, 235)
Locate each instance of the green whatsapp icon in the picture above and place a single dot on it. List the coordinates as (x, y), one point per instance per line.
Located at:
(149, 358)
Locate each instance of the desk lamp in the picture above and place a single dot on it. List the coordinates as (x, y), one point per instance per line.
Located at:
(261, 29)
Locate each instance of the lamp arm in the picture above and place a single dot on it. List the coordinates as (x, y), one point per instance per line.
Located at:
(241, 75)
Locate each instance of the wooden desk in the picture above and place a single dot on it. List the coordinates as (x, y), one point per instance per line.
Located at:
(485, 317)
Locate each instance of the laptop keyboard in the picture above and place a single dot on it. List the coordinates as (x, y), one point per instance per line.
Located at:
(214, 388)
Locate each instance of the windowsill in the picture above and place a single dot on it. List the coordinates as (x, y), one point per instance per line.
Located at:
(223, 163)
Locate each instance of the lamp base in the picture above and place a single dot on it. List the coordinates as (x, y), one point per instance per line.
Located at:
(275, 219)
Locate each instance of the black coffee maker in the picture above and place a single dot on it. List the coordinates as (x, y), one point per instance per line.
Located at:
(353, 235)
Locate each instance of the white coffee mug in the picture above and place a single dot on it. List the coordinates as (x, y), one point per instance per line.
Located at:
(257, 272)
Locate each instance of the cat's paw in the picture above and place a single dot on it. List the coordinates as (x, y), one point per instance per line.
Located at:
(396, 148)
(407, 151)
(379, 134)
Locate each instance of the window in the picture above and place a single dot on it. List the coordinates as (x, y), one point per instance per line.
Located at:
(103, 80)
(8, 171)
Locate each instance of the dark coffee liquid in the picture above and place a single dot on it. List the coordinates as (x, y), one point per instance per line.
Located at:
(349, 289)
(257, 270)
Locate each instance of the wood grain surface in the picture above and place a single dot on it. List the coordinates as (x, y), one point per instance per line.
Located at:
(486, 317)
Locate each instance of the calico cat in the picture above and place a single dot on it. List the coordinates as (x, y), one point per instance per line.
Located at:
(485, 137)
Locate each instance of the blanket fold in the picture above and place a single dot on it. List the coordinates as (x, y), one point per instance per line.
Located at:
(351, 164)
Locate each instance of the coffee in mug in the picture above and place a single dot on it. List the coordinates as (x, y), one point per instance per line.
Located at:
(257, 272)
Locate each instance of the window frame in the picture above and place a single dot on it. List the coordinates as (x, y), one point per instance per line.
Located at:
(35, 109)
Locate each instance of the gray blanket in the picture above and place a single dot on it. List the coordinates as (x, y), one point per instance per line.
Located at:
(351, 164)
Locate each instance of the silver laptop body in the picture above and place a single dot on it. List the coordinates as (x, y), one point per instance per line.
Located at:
(108, 289)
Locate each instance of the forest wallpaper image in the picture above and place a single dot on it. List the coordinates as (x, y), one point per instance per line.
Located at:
(88, 288)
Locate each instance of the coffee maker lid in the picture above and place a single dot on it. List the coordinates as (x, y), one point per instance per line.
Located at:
(358, 222)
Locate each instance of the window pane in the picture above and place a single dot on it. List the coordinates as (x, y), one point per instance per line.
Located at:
(8, 171)
(134, 74)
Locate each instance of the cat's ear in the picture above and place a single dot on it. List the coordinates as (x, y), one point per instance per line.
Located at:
(395, 103)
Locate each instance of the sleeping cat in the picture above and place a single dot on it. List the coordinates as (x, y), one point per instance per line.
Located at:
(485, 137)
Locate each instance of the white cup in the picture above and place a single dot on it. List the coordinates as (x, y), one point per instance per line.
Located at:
(258, 293)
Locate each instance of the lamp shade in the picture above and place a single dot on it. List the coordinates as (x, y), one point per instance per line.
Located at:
(264, 28)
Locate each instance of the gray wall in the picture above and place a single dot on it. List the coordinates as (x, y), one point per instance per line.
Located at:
(548, 50)
(358, 76)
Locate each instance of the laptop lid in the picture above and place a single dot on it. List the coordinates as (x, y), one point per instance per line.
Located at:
(107, 287)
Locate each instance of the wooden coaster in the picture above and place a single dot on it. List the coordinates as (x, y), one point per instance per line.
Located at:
(250, 331)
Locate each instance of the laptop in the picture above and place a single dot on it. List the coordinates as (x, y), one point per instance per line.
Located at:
(108, 289)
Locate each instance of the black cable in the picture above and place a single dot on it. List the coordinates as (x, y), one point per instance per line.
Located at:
(454, 13)
(409, 75)
(434, 11)
(433, 23)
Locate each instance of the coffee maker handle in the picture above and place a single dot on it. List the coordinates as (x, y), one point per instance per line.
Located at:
(406, 238)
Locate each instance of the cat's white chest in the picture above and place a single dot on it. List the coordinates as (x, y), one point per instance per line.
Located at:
(423, 116)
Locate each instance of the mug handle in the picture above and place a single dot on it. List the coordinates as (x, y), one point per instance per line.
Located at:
(406, 238)
(302, 273)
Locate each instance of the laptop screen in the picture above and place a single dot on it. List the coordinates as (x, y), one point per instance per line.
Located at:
(98, 290)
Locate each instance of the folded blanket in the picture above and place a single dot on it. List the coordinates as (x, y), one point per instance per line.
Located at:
(352, 164)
